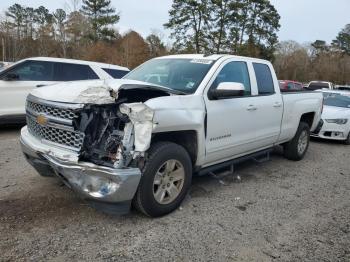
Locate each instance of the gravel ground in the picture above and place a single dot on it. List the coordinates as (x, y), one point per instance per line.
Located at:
(281, 211)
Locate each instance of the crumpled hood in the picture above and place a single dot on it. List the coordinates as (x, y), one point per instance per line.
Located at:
(333, 112)
(91, 91)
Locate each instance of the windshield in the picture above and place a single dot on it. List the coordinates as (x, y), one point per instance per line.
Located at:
(339, 100)
(183, 75)
(316, 86)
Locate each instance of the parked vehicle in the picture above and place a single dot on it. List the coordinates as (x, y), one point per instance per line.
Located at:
(19, 79)
(317, 85)
(289, 85)
(343, 87)
(335, 122)
(128, 140)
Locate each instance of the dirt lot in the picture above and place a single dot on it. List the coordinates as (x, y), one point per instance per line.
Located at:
(281, 211)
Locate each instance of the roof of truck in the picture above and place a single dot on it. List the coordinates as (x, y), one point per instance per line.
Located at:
(210, 57)
(74, 61)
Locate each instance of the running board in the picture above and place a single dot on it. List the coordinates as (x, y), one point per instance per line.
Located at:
(260, 157)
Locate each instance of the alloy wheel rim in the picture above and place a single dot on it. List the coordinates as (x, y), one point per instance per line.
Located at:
(168, 181)
(302, 142)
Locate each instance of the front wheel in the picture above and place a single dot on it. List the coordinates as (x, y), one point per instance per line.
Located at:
(347, 141)
(165, 180)
(297, 147)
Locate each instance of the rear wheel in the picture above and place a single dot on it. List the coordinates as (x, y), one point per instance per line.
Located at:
(297, 147)
(165, 180)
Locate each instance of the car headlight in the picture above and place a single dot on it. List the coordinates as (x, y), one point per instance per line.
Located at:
(339, 121)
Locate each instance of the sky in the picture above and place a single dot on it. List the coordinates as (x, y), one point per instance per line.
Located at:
(301, 20)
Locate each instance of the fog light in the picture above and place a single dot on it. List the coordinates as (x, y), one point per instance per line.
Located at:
(338, 134)
(99, 187)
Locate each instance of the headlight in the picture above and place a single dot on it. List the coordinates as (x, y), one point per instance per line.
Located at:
(340, 121)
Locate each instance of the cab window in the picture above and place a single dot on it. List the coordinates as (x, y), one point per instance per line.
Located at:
(264, 79)
(30, 71)
(234, 72)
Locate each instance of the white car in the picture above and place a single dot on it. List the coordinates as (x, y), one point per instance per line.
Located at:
(22, 77)
(335, 122)
(316, 85)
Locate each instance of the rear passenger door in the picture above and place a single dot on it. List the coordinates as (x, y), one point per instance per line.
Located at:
(73, 72)
(269, 106)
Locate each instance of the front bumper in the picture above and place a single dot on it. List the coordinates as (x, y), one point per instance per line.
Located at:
(105, 188)
(331, 131)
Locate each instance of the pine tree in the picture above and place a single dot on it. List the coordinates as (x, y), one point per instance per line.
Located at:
(102, 17)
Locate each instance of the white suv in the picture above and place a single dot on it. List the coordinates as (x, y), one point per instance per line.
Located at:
(19, 79)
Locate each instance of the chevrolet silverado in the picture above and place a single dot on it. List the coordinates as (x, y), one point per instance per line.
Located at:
(139, 140)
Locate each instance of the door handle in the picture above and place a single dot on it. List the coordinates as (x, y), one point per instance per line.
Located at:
(277, 104)
(251, 108)
(40, 85)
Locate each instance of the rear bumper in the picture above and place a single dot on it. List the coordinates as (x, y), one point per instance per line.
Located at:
(104, 187)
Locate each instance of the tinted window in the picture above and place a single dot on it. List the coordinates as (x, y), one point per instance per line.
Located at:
(115, 73)
(73, 72)
(298, 86)
(264, 79)
(32, 71)
(316, 86)
(338, 100)
(234, 72)
(290, 85)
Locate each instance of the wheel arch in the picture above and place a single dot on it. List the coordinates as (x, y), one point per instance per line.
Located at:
(188, 139)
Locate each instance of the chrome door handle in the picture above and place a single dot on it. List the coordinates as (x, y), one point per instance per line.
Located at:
(277, 104)
(251, 108)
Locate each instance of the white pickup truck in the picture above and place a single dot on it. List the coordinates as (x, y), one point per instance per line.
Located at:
(139, 140)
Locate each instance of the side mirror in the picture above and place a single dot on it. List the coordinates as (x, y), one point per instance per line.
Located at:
(227, 90)
(11, 77)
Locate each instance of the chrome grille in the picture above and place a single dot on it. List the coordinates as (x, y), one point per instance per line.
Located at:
(72, 139)
(58, 127)
(64, 113)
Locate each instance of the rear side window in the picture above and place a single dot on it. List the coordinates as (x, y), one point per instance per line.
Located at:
(31, 71)
(115, 73)
(73, 72)
(264, 79)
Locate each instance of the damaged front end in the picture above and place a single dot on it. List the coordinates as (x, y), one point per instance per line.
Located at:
(115, 134)
(94, 148)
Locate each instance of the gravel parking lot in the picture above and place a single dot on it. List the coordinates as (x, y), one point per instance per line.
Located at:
(281, 211)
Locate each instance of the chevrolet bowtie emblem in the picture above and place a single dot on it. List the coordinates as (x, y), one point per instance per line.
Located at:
(42, 120)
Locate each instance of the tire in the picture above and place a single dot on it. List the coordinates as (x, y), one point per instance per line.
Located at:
(296, 148)
(153, 196)
(347, 141)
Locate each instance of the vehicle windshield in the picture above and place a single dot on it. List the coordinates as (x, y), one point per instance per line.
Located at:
(336, 99)
(316, 86)
(183, 75)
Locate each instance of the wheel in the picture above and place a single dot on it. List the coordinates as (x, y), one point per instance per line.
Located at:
(166, 178)
(297, 147)
(347, 141)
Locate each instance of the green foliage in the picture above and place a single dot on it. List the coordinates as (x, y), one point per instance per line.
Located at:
(343, 40)
(101, 16)
(246, 27)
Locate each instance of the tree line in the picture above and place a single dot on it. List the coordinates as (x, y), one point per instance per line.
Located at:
(87, 30)
(315, 61)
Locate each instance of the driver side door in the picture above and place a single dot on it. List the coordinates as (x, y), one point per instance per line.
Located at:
(230, 121)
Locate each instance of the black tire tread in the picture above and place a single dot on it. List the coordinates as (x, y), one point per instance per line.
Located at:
(151, 154)
(290, 148)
